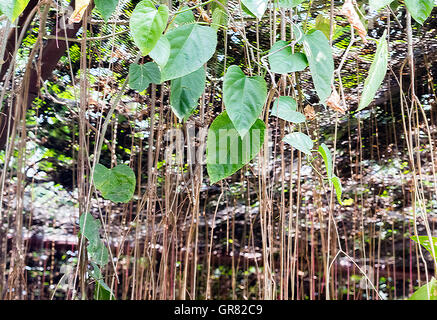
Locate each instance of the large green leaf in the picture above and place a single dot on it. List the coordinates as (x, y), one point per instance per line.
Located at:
(378, 4)
(422, 292)
(283, 61)
(219, 18)
(377, 72)
(327, 158)
(420, 10)
(244, 98)
(161, 51)
(256, 7)
(116, 184)
(191, 46)
(141, 75)
(289, 3)
(285, 108)
(226, 151)
(147, 24)
(319, 55)
(424, 241)
(300, 141)
(13, 8)
(186, 91)
(106, 7)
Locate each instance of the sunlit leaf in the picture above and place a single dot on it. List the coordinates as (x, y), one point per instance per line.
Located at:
(337, 187)
(226, 151)
(422, 292)
(13, 8)
(186, 91)
(377, 73)
(191, 46)
(147, 24)
(420, 10)
(285, 108)
(283, 61)
(116, 184)
(319, 55)
(424, 241)
(141, 75)
(300, 141)
(244, 98)
(327, 158)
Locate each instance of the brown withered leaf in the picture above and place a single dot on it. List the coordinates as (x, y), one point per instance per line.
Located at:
(349, 11)
(309, 112)
(79, 10)
(334, 102)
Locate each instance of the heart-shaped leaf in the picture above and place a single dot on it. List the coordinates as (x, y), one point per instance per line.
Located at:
(377, 73)
(226, 151)
(13, 8)
(186, 91)
(285, 108)
(147, 24)
(116, 184)
(337, 187)
(191, 46)
(256, 7)
(300, 141)
(289, 3)
(141, 75)
(319, 55)
(282, 60)
(420, 10)
(106, 7)
(244, 98)
(90, 228)
(424, 241)
(378, 4)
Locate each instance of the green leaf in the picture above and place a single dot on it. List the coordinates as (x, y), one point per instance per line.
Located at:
(13, 8)
(256, 7)
(327, 158)
(89, 227)
(378, 4)
(299, 141)
(244, 98)
(424, 241)
(226, 151)
(191, 46)
(161, 52)
(116, 184)
(289, 3)
(420, 10)
(141, 75)
(285, 108)
(219, 18)
(98, 252)
(283, 61)
(377, 72)
(106, 7)
(147, 24)
(337, 187)
(324, 24)
(319, 55)
(186, 91)
(422, 292)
